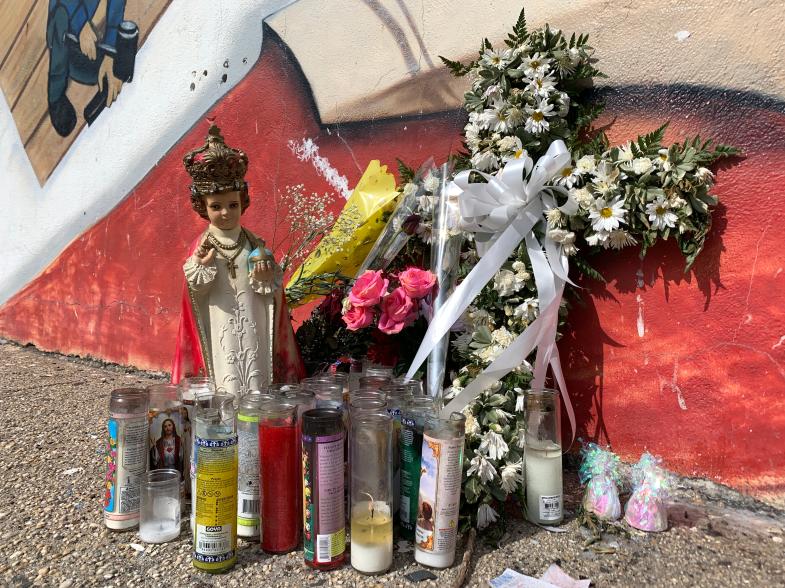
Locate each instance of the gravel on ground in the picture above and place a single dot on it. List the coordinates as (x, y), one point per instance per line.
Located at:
(52, 434)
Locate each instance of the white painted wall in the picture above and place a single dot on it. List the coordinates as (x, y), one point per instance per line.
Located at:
(112, 156)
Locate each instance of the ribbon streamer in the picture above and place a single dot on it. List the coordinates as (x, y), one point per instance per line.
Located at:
(501, 213)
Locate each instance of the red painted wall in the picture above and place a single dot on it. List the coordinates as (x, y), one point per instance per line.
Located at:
(705, 384)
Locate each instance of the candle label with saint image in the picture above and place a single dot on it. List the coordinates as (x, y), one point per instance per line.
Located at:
(440, 494)
(410, 452)
(324, 527)
(126, 463)
(215, 535)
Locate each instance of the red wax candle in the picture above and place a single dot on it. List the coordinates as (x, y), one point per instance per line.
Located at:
(279, 455)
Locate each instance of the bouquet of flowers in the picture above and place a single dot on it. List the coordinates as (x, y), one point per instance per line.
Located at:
(522, 98)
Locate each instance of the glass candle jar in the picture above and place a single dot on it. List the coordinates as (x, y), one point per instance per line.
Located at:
(166, 428)
(215, 528)
(371, 493)
(363, 404)
(159, 519)
(324, 524)
(281, 389)
(413, 416)
(126, 457)
(248, 501)
(189, 389)
(542, 454)
(440, 491)
(397, 396)
(374, 382)
(279, 452)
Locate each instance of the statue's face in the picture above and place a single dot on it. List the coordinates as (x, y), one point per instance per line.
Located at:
(224, 210)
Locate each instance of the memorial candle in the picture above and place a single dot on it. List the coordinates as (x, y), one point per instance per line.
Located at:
(279, 453)
(542, 455)
(371, 492)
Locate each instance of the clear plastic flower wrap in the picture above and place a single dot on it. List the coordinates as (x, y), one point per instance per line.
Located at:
(600, 471)
(651, 484)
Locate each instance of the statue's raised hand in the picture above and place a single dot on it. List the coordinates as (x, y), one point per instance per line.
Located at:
(205, 253)
(264, 269)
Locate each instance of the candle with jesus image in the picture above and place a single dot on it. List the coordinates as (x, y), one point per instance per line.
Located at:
(371, 492)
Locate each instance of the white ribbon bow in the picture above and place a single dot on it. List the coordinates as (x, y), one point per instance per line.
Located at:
(501, 213)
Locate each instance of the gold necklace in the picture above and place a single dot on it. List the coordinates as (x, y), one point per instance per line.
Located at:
(212, 238)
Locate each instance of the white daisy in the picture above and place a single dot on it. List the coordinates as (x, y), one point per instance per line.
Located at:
(704, 176)
(432, 183)
(585, 164)
(425, 204)
(598, 238)
(492, 91)
(409, 188)
(639, 165)
(606, 216)
(497, 59)
(485, 516)
(663, 160)
(496, 118)
(575, 55)
(568, 176)
(660, 215)
(625, 152)
(502, 416)
(509, 143)
(485, 161)
(582, 196)
(506, 283)
(564, 104)
(554, 217)
(515, 116)
(493, 445)
(512, 476)
(482, 467)
(605, 176)
(528, 309)
(536, 64)
(519, 400)
(538, 118)
(542, 85)
(620, 238)
(472, 427)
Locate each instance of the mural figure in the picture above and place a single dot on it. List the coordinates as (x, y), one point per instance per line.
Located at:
(235, 324)
(90, 43)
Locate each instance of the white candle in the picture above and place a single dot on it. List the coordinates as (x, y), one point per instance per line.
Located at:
(372, 537)
(544, 483)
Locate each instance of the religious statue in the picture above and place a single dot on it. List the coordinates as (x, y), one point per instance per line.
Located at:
(235, 324)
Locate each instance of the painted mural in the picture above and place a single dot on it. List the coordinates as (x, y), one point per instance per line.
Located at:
(100, 218)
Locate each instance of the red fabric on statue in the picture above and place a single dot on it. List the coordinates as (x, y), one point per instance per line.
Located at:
(188, 359)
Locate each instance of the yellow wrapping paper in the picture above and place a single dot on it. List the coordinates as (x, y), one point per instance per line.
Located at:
(355, 231)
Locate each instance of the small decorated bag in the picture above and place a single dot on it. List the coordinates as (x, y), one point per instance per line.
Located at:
(600, 468)
(646, 510)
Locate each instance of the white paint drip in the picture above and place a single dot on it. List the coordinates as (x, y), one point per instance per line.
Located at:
(307, 150)
(682, 36)
(779, 343)
(641, 325)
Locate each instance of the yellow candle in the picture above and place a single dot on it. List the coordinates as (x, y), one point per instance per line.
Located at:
(372, 537)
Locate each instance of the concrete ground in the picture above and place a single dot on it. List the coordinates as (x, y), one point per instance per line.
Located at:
(53, 414)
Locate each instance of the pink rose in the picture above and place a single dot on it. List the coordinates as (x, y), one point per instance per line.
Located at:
(417, 282)
(358, 317)
(368, 289)
(398, 311)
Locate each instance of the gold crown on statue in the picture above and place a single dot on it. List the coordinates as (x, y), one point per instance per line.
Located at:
(215, 167)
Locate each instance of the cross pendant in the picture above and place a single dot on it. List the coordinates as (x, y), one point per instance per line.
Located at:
(231, 266)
